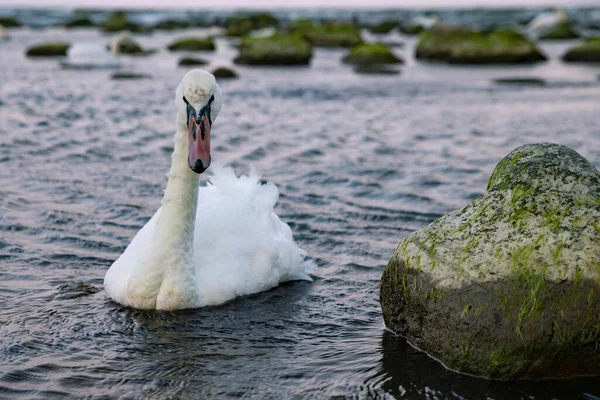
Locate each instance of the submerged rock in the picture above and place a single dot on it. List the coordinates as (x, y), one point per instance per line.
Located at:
(172, 24)
(457, 45)
(328, 35)
(560, 31)
(588, 51)
(119, 76)
(49, 49)
(81, 21)
(10, 22)
(371, 53)
(376, 69)
(74, 290)
(509, 286)
(124, 43)
(274, 50)
(520, 81)
(224, 73)
(191, 61)
(193, 44)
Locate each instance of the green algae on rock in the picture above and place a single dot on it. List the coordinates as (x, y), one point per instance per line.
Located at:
(224, 73)
(383, 27)
(193, 44)
(411, 29)
(508, 286)
(328, 35)
(560, 31)
(588, 51)
(457, 45)
(80, 21)
(118, 21)
(243, 24)
(49, 49)
(124, 43)
(275, 50)
(371, 53)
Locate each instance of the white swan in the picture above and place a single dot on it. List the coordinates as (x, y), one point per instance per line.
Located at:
(88, 56)
(205, 245)
(545, 21)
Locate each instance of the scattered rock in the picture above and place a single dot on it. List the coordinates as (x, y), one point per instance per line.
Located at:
(224, 73)
(274, 50)
(172, 24)
(328, 35)
(588, 51)
(79, 22)
(191, 61)
(383, 27)
(124, 43)
(243, 24)
(560, 31)
(376, 70)
(49, 49)
(457, 45)
(118, 21)
(193, 44)
(521, 81)
(371, 53)
(508, 286)
(412, 29)
(129, 76)
(10, 22)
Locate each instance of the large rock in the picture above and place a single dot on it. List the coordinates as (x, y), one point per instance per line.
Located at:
(327, 34)
(588, 51)
(274, 50)
(509, 286)
(561, 31)
(457, 45)
(370, 54)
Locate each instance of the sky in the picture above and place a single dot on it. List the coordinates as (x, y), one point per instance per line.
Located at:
(265, 4)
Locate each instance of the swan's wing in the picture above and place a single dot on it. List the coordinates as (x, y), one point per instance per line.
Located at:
(119, 273)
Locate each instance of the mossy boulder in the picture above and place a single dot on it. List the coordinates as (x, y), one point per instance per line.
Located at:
(412, 29)
(49, 49)
(10, 22)
(124, 43)
(172, 24)
(243, 24)
(118, 21)
(275, 50)
(383, 27)
(560, 31)
(191, 61)
(456, 45)
(328, 34)
(588, 51)
(80, 21)
(508, 286)
(193, 44)
(371, 53)
(224, 73)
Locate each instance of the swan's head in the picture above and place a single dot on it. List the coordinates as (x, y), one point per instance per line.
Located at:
(198, 100)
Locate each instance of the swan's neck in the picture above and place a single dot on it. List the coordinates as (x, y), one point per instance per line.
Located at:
(166, 277)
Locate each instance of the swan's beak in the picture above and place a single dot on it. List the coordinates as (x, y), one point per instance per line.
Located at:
(199, 142)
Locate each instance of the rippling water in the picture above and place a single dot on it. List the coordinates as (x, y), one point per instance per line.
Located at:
(360, 162)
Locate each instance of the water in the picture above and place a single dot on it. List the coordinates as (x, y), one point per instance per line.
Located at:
(360, 162)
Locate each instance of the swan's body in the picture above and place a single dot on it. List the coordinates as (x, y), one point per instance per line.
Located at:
(89, 56)
(205, 245)
(545, 21)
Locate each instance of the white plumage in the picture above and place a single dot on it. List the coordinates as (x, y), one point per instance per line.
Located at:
(206, 245)
(545, 21)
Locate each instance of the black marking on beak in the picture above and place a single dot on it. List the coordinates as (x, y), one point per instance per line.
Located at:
(198, 117)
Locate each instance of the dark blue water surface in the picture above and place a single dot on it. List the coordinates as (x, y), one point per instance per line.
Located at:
(360, 162)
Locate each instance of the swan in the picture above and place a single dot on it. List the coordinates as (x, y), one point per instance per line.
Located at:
(88, 56)
(545, 21)
(205, 245)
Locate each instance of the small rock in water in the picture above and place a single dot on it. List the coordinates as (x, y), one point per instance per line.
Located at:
(520, 81)
(376, 70)
(129, 76)
(191, 61)
(73, 290)
(224, 73)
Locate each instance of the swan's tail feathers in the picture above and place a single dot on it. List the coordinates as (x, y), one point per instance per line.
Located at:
(303, 271)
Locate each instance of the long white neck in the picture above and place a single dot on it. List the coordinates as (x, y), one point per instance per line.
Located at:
(166, 278)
